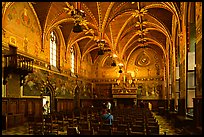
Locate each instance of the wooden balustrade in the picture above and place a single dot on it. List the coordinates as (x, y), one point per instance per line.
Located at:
(18, 62)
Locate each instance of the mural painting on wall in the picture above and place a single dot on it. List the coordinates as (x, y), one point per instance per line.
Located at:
(86, 91)
(102, 91)
(148, 91)
(64, 87)
(12, 14)
(20, 17)
(25, 18)
(34, 82)
(20, 13)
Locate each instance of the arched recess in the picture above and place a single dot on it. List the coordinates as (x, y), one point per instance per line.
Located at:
(49, 92)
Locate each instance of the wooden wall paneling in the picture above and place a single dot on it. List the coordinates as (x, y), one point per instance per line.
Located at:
(22, 109)
(18, 120)
(4, 113)
(38, 108)
(10, 121)
(12, 106)
(61, 103)
(85, 103)
(30, 107)
(22, 106)
(64, 105)
(58, 105)
(70, 105)
(4, 106)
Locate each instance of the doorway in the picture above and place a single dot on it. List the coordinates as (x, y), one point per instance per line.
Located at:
(46, 98)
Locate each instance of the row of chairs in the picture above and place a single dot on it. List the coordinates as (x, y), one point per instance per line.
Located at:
(121, 125)
(130, 121)
(152, 126)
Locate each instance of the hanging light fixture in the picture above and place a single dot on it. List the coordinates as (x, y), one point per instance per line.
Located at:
(113, 64)
(79, 17)
(101, 44)
(120, 65)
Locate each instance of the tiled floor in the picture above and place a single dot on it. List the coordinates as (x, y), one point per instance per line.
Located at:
(165, 126)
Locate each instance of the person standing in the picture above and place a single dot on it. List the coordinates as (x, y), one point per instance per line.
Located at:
(46, 108)
(142, 105)
(108, 105)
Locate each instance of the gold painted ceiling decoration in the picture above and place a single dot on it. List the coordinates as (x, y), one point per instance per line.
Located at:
(143, 60)
(124, 26)
(79, 18)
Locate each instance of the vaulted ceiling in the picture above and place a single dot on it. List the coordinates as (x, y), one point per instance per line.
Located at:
(125, 26)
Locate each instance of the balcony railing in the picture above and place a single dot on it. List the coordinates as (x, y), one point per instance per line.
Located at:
(18, 63)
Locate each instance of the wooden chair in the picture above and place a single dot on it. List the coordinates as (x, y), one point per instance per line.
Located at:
(86, 131)
(31, 123)
(152, 123)
(137, 127)
(115, 132)
(95, 127)
(106, 126)
(61, 121)
(152, 130)
(84, 125)
(72, 131)
(38, 127)
(122, 127)
(51, 126)
(136, 133)
(103, 132)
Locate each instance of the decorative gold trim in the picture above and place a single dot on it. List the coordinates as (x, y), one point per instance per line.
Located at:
(12, 40)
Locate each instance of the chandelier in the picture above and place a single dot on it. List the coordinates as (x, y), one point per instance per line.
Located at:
(79, 17)
(120, 65)
(101, 44)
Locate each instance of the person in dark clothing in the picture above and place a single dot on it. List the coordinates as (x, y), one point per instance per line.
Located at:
(107, 117)
(142, 104)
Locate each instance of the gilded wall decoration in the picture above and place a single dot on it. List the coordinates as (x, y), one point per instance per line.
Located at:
(12, 14)
(25, 44)
(142, 60)
(25, 17)
(32, 85)
(149, 91)
(157, 69)
(34, 82)
(19, 17)
(86, 91)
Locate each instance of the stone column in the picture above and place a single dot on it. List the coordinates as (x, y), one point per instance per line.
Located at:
(182, 72)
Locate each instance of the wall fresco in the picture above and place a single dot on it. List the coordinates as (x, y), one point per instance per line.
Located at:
(19, 17)
(64, 86)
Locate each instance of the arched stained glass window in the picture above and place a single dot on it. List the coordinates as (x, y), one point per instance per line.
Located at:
(53, 49)
(72, 59)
